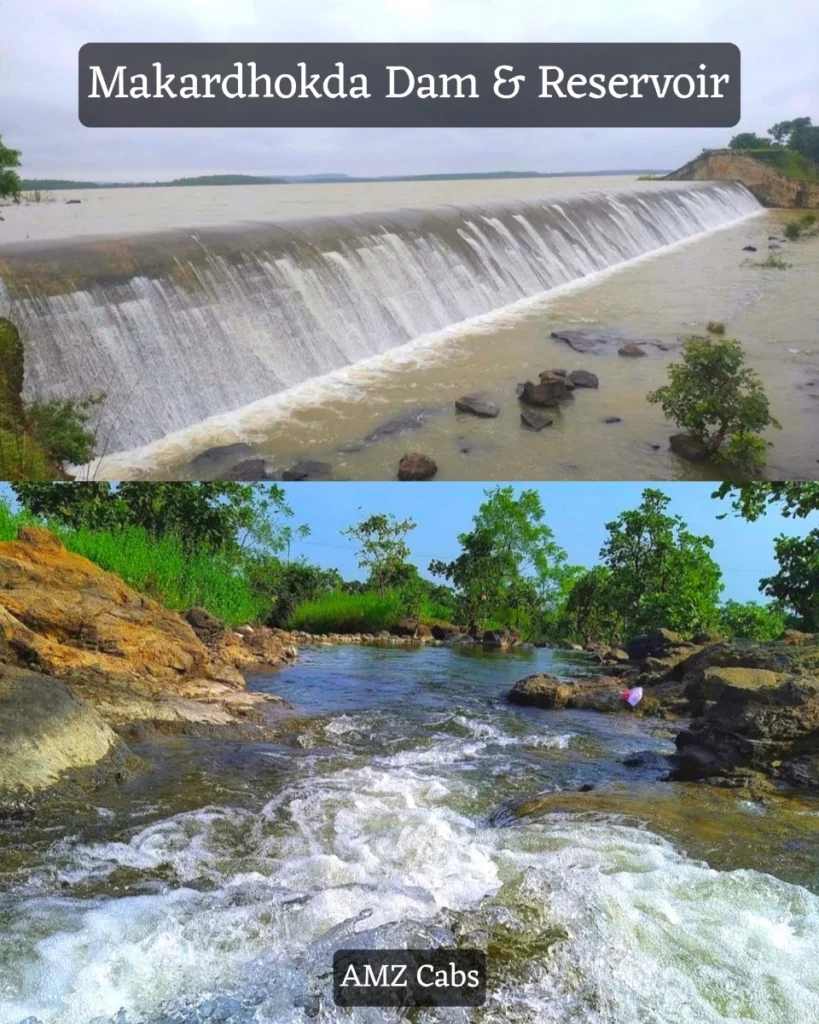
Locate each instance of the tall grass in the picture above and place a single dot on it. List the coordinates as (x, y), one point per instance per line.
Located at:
(160, 568)
(339, 612)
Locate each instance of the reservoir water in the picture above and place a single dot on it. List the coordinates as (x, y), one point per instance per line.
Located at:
(406, 803)
(299, 321)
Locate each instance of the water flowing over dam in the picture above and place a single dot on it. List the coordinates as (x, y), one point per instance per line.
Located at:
(185, 325)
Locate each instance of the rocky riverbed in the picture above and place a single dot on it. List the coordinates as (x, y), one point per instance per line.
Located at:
(753, 709)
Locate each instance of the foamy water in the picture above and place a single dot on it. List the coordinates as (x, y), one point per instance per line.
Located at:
(381, 834)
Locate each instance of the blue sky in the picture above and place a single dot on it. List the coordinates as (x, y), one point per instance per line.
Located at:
(577, 512)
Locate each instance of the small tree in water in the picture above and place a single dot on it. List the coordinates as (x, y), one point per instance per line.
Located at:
(719, 401)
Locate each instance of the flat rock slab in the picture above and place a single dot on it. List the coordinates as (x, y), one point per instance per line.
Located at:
(584, 379)
(534, 420)
(601, 339)
(251, 469)
(478, 405)
(416, 466)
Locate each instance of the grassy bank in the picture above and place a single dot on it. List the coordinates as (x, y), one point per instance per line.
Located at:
(340, 612)
(788, 161)
(160, 568)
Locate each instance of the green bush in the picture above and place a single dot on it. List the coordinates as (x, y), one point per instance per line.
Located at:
(751, 621)
(160, 568)
(715, 327)
(719, 401)
(340, 612)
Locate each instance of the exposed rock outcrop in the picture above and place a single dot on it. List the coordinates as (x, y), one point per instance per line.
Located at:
(129, 657)
(768, 184)
(416, 466)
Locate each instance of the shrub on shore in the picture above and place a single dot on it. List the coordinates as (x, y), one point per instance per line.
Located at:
(340, 612)
(38, 438)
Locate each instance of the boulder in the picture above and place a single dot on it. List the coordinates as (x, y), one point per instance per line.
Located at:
(308, 469)
(477, 405)
(416, 466)
(122, 652)
(584, 379)
(46, 730)
(688, 447)
(444, 631)
(631, 350)
(749, 248)
(560, 376)
(533, 420)
(656, 642)
(543, 395)
(498, 638)
(602, 694)
(215, 459)
(613, 419)
(251, 469)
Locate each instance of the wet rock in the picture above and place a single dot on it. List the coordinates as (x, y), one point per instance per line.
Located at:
(597, 339)
(219, 457)
(500, 638)
(46, 730)
(308, 469)
(774, 245)
(544, 691)
(613, 419)
(442, 631)
(403, 423)
(251, 469)
(631, 350)
(416, 466)
(688, 447)
(584, 379)
(73, 202)
(749, 248)
(533, 420)
(559, 384)
(478, 405)
(543, 395)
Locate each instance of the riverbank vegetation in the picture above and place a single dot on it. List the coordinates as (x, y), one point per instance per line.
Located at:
(38, 439)
(225, 547)
(792, 147)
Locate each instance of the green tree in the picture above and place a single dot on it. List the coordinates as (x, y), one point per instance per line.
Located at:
(719, 401)
(60, 426)
(510, 568)
(660, 574)
(749, 140)
(750, 620)
(796, 584)
(753, 499)
(10, 184)
(383, 549)
(213, 515)
(591, 614)
(805, 140)
(782, 130)
(288, 584)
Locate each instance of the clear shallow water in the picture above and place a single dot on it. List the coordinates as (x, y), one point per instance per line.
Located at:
(216, 887)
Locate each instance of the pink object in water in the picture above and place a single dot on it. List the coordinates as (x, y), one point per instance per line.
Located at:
(633, 697)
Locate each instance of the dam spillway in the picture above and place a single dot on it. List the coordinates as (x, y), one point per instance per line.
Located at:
(181, 326)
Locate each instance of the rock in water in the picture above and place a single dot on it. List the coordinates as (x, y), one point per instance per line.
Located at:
(584, 379)
(545, 395)
(478, 406)
(251, 469)
(632, 350)
(45, 730)
(688, 447)
(534, 420)
(308, 469)
(213, 460)
(416, 466)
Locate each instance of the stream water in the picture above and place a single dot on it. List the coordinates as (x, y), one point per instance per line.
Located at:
(404, 805)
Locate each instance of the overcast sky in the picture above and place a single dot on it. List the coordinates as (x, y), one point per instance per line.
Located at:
(38, 88)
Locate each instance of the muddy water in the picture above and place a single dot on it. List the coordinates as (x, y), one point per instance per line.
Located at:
(131, 211)
(407, 803)
(668, 295)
